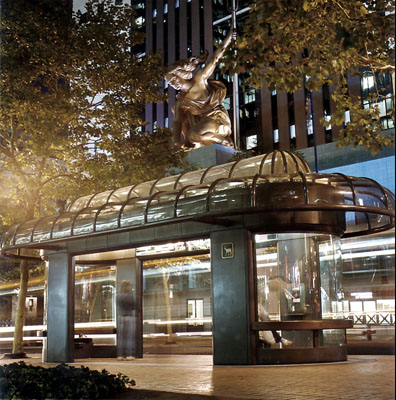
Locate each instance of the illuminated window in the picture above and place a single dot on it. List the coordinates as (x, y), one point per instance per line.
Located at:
(276, 135)
(195, 309)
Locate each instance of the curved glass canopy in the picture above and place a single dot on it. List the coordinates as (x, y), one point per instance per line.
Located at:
(275, 182)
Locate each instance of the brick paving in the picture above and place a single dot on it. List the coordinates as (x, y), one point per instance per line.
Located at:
(361, 377)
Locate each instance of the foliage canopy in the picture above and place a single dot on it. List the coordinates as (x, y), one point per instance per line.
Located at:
(73, 91)
(294, 44)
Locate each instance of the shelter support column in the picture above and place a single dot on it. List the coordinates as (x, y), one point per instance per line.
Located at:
(60, 310)
(231, 258)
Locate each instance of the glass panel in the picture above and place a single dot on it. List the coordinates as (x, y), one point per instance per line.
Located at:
(8, 237)
(377, 220)
(391, 200)
(367, 194)
(274, 195)
(268, 282)
(291, 165)
(94, 296)
(369, 287)
(165, 184)
(247, 167)
(356, 222)
(344, 189)
(142, 190)
(120, 195)
(43, 229)
(162, 207)
(177, 310)
(79, 204)
(279, 167)
(333, 337)
(84, 222)
(108, 218)
(217, 173)
(193, 201)
(62, 227)
(289, 271)
(266, 167)
(229, 195)
(190, 178)
(99, 199)
(301, 165)
(329, 189)
(24, 232)
(332, 294)
(133, 213)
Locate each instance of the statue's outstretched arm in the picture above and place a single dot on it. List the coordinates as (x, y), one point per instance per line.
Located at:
(212, 63)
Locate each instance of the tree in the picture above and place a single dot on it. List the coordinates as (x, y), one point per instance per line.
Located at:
(73, 88)
(312, 43)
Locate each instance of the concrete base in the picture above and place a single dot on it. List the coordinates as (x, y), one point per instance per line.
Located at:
(214, 154)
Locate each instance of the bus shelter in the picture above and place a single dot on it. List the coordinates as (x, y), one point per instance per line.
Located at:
(276, 266)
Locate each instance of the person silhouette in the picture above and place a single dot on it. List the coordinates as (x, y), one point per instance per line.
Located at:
(126, 310)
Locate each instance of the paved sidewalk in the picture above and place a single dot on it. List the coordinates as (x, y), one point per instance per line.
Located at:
(361, 377)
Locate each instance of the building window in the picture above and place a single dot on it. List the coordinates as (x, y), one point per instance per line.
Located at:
(274, 113)
(251, 142)
(195, 309)
(292, 130)
(381, 84)
(347, 116)
(276, 135)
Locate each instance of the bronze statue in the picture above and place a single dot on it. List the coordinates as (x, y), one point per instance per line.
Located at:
(199, 117)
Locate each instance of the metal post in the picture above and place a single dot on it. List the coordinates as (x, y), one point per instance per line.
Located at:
(311, 110)
(235, 87)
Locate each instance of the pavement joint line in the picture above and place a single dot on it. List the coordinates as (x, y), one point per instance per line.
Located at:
(195, 378)
(186, 366)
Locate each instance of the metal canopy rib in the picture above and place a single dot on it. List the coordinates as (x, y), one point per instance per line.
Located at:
(276, 192)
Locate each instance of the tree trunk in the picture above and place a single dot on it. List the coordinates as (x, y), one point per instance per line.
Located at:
(95, 299)
(165, 278)
(17, 346)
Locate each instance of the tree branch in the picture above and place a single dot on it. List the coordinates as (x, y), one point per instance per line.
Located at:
(59, 176)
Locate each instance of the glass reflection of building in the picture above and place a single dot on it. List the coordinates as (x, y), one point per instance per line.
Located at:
(298, 276)
(176, 302)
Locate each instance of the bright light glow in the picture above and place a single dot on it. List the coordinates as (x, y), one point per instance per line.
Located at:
(99, 324)
(251, 142)
(362, 295)
(368, 243)
(276, 135)
(268, 256)
(6, 329)
(163, 335)
(202, 244)
(177, 321)
(292, 131)
(347, 116)
(368, 254)
(25, 338)
(266, 265)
